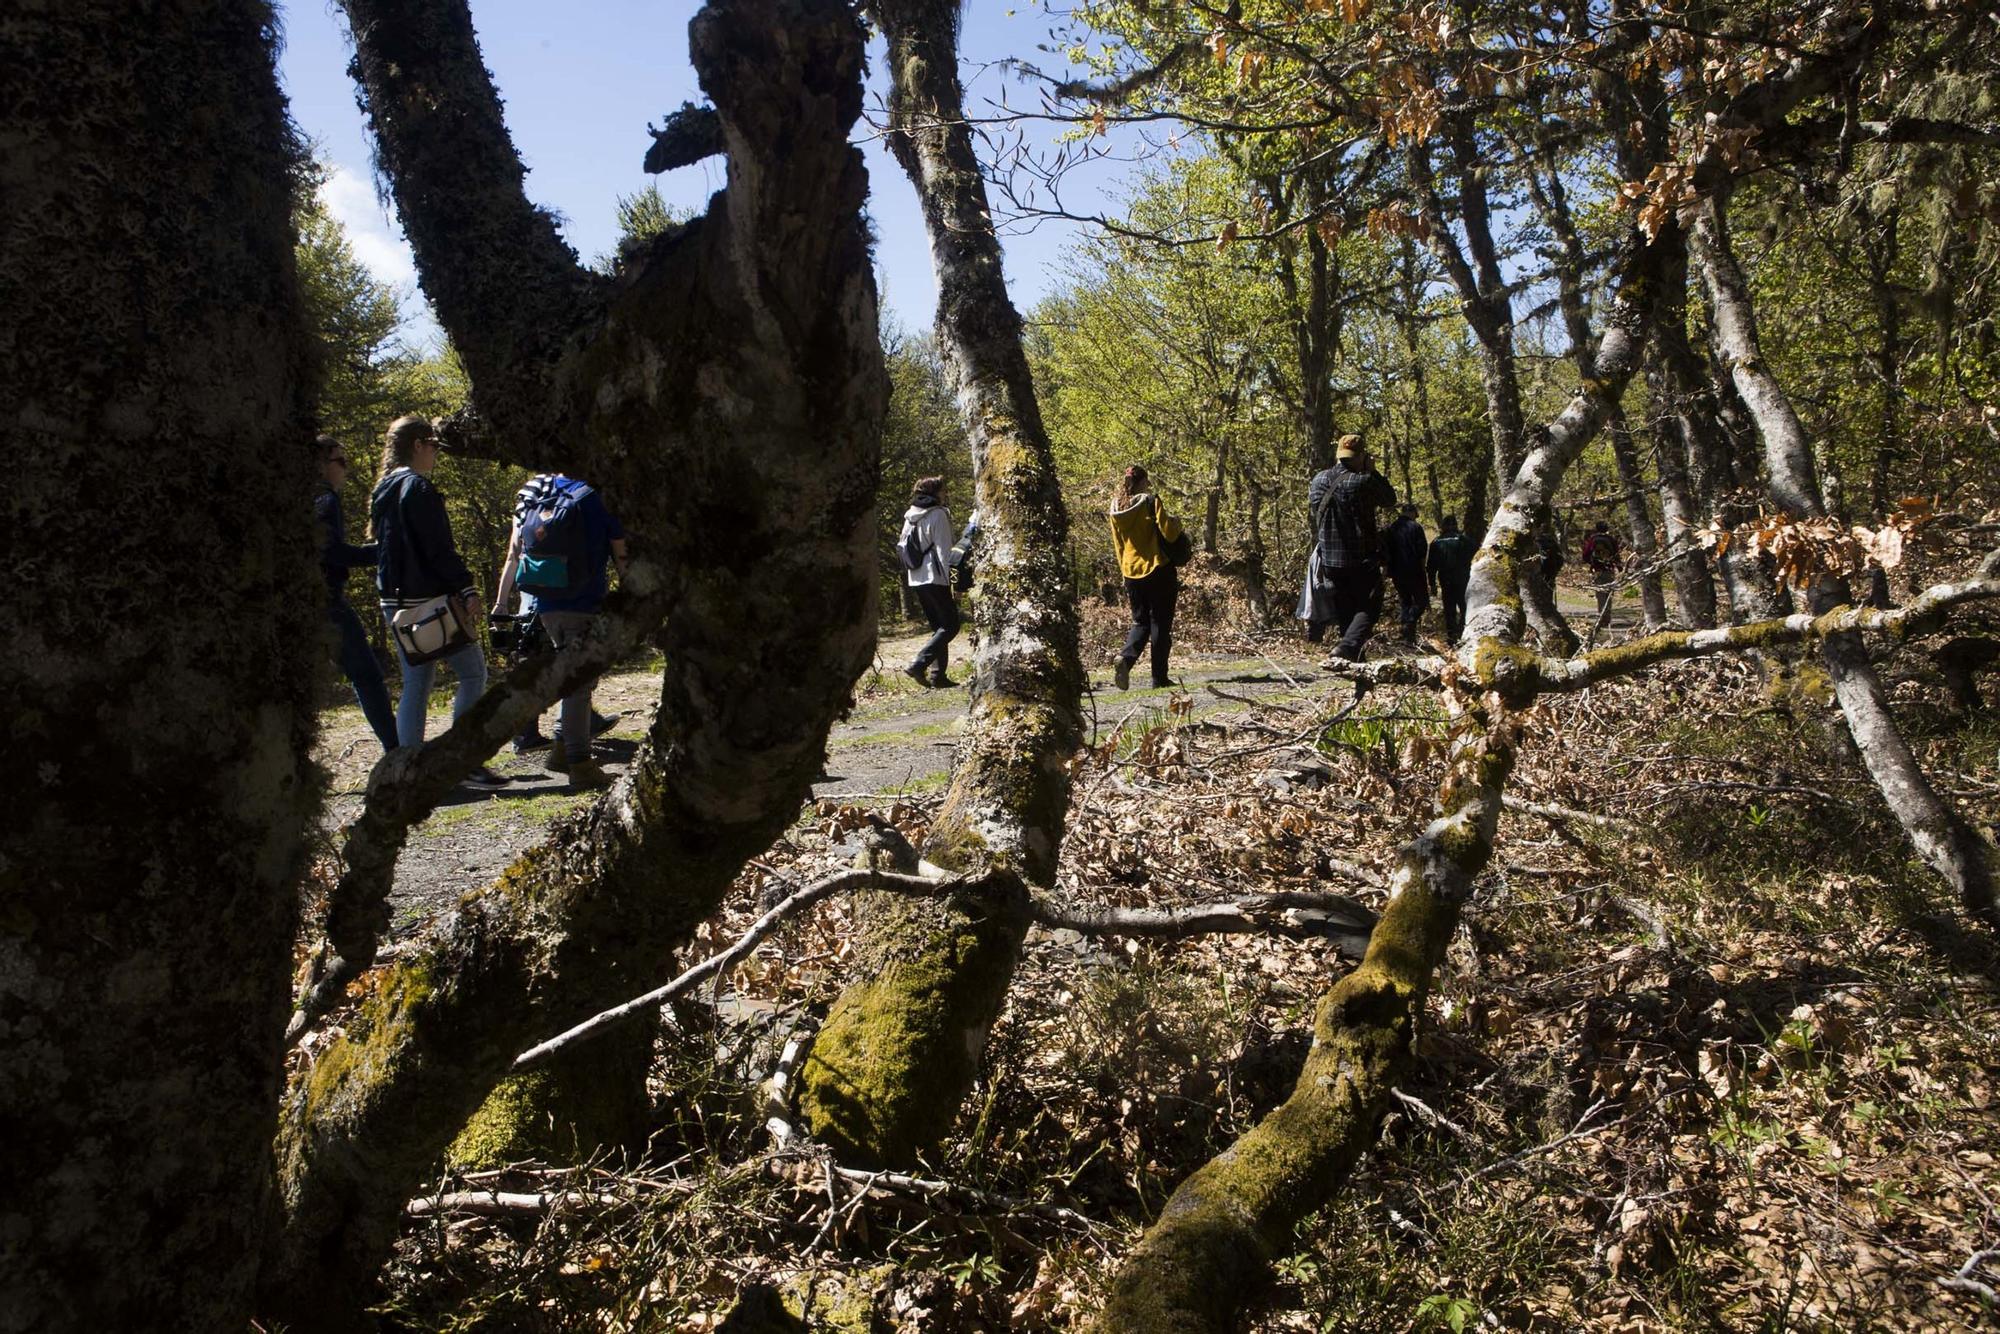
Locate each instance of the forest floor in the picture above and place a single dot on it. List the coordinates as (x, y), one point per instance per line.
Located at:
(1727, 1062)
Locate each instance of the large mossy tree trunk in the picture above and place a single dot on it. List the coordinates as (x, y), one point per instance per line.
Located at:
(900, 1049)
(164, 635)
(727, 395)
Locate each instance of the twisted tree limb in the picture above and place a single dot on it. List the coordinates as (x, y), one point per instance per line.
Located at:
(730, 402)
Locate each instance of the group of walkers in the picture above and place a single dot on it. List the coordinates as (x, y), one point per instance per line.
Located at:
(562, 541)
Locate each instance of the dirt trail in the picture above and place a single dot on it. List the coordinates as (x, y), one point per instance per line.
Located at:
(898, 741)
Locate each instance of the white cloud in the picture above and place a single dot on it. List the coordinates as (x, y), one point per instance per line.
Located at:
(377, 240)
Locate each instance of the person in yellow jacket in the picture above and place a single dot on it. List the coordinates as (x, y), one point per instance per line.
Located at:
(1141, 530)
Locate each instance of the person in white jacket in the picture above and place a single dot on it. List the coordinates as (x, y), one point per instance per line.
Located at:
(925, 548)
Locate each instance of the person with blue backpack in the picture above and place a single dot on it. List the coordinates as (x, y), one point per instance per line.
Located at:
(521, 635)
(564, 538)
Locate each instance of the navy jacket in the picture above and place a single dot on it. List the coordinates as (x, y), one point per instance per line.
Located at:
(1403, 550)
(415, 559)
(1344, 505)
(336, 554)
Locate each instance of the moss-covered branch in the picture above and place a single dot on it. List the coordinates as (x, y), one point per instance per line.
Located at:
(899, 1050)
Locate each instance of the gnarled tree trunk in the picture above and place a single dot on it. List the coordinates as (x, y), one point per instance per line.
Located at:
(899, 1050)
(1941, 836)
(727, 395)
(164, 634)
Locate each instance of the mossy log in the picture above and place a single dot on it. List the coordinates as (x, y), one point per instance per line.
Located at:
(1217, 1235)
(899, 1050)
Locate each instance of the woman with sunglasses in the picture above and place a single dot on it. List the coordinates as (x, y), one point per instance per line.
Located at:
(337, 556)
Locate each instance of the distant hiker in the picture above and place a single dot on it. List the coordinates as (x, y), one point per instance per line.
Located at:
(527, 632)
(1343, 577)
(1141, 533)
(336, 557)
(1551, 548)
(1404, 547)
(562, 542)
(924, 548)
(963, 563)
(1600, 553)
(1450, 568)
(418, 568)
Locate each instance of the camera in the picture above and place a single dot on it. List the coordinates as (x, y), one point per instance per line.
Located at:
(515, 635)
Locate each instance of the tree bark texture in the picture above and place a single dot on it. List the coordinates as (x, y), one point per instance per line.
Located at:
(159, 686)
(1941, 836)
(899, 1050)
(730, 399)
(1203, 1259)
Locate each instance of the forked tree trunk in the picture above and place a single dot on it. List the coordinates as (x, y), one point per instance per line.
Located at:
(1941, 836)
(164, 636)
(899, 1050)
(729, 397)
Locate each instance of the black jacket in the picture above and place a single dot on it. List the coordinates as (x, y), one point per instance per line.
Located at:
(1403, 549)
(1344, 505)
(1451, 561)
(336, 554)
(415, 560)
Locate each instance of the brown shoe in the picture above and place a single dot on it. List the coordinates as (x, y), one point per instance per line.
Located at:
(587, 775)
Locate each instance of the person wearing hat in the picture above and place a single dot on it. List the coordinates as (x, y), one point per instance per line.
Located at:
(1404, 547)
(1344, 574)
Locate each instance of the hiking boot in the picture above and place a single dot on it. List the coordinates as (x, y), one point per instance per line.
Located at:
(1121, 675)
(601, 723)
(587, 774)
(558, 760)
(532, 739)
(1162, 683)
(940, 682)
(915, 671)
(485, 778)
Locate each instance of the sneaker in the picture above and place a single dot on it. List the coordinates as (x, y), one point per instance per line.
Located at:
(1122, 674)
(601, 723)
(485, 778)
(529, 740)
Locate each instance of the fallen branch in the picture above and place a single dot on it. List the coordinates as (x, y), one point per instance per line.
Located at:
(1963, 1280)
(500, 1203)
(1561, 814)
(1288, 914)
(786, 908)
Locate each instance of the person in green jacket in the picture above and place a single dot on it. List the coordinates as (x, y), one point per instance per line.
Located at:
(1450, 566)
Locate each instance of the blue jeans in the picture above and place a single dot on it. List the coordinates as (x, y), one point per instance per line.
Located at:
(357, 663)
(468, 664)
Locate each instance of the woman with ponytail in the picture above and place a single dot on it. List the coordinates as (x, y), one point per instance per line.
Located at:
(1142, 531)
(417, 562)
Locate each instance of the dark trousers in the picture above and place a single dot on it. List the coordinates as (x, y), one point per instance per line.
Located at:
(940, 610)
(358, 665)
(1452, 598)
(1357, 601)
(1152, 600)
(1413, 598)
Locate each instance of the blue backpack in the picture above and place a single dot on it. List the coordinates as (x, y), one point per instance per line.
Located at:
(552, 544)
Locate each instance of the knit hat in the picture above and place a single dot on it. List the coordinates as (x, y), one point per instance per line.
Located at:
(1350, 445)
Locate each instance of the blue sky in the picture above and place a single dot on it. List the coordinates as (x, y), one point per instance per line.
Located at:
(581, 80)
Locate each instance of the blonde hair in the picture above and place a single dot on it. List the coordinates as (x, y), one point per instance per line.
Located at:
(399, 445)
